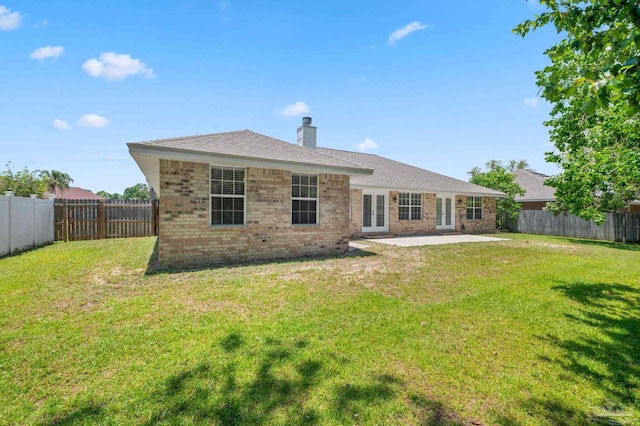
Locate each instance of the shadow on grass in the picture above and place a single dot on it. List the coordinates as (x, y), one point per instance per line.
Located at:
(604, 349)
(273, 386)
(273, 383)
(603, 244)
(90, 414)
(153, 266)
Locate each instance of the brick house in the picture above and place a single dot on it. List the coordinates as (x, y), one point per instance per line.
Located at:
(238, 196)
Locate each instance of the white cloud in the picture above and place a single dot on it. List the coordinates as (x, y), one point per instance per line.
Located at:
(357, 79)
(367, 145)
(59, 124)
(93, 120)
(401, 33)
(531, 102)
(42, 24)
(294, 110)
(114, 66)
(9, 20)
(47, 52)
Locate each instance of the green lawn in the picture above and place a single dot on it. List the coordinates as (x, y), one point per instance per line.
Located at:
(535, 330)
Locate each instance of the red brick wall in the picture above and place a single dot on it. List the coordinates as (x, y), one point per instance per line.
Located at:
(428, 223)
(187, 239)
(412, 227)
(486, 225)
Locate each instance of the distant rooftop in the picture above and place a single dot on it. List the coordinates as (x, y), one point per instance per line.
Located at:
(533, 183)
(75, 193)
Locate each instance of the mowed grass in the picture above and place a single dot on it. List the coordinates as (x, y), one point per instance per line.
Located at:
(535, 330)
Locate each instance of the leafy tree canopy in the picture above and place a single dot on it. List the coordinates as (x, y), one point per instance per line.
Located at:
(23, 183)
(56, 180)
(501, 178)
(139, 191)
(593, 83)
(105, 194)
(605, 35)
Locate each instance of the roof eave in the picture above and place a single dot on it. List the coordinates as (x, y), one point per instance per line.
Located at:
(169, 153)
(431, 190)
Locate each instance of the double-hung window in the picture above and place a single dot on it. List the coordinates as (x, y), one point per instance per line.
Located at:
(227, 196)
(409, 206)
(304, 199)
(474, 208)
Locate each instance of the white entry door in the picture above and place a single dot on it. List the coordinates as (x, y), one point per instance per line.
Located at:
(375, 212)
(444, 212)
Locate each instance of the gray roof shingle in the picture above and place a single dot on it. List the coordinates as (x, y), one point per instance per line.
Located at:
(533, 183)
(248, 144)
(396, 175)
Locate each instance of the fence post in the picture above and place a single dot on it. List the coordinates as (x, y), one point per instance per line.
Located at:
(101, 220)
(65, 221)
(33, 220)
(10, 196)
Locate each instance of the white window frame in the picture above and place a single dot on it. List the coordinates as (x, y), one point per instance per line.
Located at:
(475, 207)
(226, 196)
(412, 207)
(300, 198)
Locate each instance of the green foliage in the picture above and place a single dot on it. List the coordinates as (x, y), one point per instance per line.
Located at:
(105, 194)
(501, 178)
(56, 180)
(23, 183)
(594, 84)
(605, 34)
(600, 159)
(139, 191)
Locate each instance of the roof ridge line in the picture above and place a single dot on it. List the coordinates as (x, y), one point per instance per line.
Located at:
(176, 138)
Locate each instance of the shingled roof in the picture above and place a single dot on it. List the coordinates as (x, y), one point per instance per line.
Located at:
(249, 145)
(533, 183)
(247, 148)
(395, 175)
(242, 148)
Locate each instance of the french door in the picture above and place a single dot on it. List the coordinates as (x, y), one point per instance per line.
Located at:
(375, 212)
(445, 212)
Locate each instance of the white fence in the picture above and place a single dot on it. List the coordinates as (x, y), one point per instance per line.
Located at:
(24, 223)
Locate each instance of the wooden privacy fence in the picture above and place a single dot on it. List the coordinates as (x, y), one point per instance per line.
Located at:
(620, 227)
(97, 219)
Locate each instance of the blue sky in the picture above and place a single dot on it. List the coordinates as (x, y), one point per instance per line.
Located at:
(443, 85)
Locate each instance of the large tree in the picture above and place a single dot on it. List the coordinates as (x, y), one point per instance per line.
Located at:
(56, 180)
(139, 191)
(605, 35)
(593, 82)
(501, 178)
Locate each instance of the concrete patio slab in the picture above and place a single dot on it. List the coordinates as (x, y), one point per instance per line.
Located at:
(432, 240)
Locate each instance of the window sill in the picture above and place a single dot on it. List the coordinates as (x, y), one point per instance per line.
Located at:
(226, 226)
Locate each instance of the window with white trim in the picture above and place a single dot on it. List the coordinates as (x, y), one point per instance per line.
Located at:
(304, 199)
(227, 196)
(474, 208)
(409, 206)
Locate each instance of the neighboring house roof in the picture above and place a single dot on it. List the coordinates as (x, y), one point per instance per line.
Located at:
(74, 193)
(533, 183)
(239, 148)
(395, 175)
